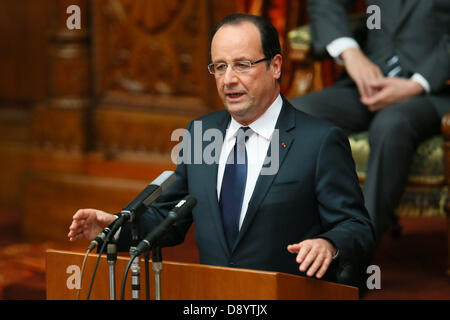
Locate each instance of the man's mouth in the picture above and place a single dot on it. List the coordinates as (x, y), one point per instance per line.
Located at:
(234, 95)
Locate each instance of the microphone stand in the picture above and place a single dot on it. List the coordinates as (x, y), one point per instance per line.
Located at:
(112, 258)
(157, 267)
(135, 266)
(147, 277)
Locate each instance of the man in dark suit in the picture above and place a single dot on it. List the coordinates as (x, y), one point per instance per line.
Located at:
(394, 87)
(300, 212)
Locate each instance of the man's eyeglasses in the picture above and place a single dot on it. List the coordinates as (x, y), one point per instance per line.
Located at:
(219, 68)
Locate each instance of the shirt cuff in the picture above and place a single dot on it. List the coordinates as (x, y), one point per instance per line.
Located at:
(336, 255)
(422, 81)
(337, 46)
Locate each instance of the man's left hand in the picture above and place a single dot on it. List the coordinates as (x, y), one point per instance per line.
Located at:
(389, 91)
(314, 255)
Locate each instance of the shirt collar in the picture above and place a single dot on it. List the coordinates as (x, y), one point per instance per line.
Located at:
(264, 125)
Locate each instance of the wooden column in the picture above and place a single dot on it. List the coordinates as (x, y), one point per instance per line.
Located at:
(60, 123)
(60, 128)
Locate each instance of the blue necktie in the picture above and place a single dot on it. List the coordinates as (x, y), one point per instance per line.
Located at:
(394, 67)
(233, 187)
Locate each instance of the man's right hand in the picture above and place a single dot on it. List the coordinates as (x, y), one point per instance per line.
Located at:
(88, 223)
(361, 70)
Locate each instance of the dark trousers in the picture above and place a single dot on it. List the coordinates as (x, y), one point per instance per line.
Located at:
(394, 134)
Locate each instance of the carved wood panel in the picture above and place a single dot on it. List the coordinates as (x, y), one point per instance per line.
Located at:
(147, 50)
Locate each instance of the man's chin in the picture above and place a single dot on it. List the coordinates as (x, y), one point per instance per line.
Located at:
(236, 109)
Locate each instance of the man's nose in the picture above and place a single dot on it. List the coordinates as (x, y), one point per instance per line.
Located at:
(230, 75)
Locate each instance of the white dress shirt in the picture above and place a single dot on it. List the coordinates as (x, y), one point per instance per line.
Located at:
(256, 146)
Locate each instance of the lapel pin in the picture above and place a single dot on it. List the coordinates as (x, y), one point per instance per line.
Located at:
(283, 145)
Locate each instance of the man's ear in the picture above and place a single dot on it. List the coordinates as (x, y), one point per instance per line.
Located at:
(276, 64)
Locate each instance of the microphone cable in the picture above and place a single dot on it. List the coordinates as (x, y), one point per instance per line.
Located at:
(125, 274)
(102, 249)
(82, 271)
(96, 265)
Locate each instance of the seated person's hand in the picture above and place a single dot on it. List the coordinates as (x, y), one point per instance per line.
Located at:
(361, 70)
(391, 90)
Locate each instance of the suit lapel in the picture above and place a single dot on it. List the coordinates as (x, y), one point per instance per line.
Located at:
(286, 121)
(210, 184)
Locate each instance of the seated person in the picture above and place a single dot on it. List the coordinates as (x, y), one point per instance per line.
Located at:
(394, 87)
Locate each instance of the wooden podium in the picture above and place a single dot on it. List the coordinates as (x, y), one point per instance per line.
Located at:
(184, 281)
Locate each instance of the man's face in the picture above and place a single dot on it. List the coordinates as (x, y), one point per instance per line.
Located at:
(245, 95)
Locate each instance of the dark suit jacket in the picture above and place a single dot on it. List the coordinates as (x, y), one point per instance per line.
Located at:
(314, 194)
(417, 31)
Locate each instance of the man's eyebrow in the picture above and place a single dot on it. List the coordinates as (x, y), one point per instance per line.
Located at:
(237, 59)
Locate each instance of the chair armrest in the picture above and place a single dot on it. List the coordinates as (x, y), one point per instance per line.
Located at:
(299, 40)
(445, 129)
(445, 126)
(300, 37)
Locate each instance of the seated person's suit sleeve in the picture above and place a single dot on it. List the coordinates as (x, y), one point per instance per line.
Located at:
(436, 67)
(329, 21)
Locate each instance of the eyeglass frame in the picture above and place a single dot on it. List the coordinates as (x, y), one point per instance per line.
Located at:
(232, 63)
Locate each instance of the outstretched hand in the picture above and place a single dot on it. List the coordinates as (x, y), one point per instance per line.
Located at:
(88, 223)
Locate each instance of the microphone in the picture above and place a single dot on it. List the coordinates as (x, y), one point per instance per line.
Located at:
(151, 192)
(183, 207)
(101, 237)
(145, 198)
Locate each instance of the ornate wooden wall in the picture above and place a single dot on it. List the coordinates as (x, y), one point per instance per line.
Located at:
(86, 115)
(101, 103)
(151, 57)
(22, 73)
